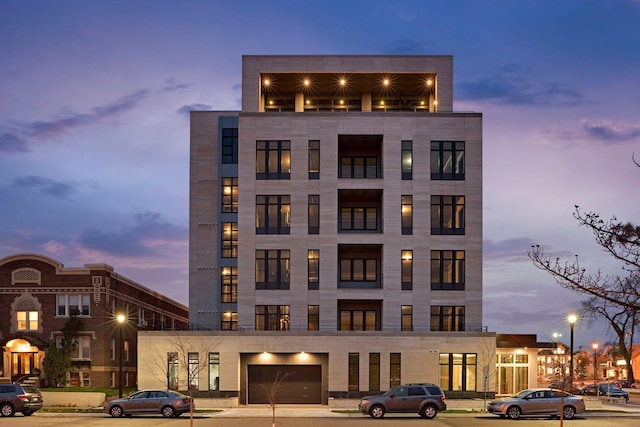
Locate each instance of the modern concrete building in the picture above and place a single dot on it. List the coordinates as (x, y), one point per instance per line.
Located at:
(39, 296)
(336, 233)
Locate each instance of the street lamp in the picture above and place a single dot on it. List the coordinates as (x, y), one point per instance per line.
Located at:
(121, 319)
(572, 321)
(595, 363)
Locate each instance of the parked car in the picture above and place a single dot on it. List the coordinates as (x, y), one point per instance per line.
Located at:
(537, 402)
(604, 389)
(635, 385)
(23, 398)
(169, 403)
(623, 383)
(566, 386)
(425, 399)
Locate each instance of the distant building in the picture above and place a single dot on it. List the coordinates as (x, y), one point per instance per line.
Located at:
(336, 232)
(38, 295)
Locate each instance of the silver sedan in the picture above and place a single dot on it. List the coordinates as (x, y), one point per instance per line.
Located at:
(538, 402)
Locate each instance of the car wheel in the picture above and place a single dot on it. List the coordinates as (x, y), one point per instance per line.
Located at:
(514, 412)
(429, 411)
(569, 412)
(168, 412)
(7, 410)
(376, 411)
(115, 411)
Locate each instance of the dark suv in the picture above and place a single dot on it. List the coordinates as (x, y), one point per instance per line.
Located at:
(425, 399)
(19, 398)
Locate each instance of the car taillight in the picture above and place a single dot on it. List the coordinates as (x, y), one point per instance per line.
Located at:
(23, 397)
(443, 399)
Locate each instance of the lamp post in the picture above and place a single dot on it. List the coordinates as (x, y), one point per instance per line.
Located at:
(121, 319)
(572, 321)
(595, 365)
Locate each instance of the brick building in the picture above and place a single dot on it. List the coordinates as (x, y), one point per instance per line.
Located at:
(38, 295)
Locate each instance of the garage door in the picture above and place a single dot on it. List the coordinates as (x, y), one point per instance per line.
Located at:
(302, 384)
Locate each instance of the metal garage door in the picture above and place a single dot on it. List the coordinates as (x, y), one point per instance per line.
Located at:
(303, 384)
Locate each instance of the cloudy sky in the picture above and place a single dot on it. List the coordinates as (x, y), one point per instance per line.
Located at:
(94, 127)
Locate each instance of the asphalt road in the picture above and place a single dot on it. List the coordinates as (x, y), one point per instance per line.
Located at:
(204, 420)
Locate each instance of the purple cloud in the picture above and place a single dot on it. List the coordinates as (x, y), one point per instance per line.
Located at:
(11, 143)
(44, 186)
(186, 109)
(606, 130)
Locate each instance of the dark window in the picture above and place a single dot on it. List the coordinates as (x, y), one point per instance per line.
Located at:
(358, 219)
(229, 321)
(447, 160)
(230, 145)
(229, 280)
(272, 269)
(313, 269)
(354, 371)
(229, 237)
(359, 320)
(447, 270)
(395, 368)
(458, 371)
(314, 214)
(407, 318)
(229, 195)
(272, 317)
(447, 318)
(273, 214)
(407, 270)
(358, 270)
(407, 214)
(374, 371)
(314, 159)
(447, 215)
(360, 167)
(407, 160)
(273, 159)
(313, 318)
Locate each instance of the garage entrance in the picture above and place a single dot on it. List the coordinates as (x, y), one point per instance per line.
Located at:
(302, 383)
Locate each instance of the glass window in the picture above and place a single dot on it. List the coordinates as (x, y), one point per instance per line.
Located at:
(359, 167)
(447, 160)
(407, 318)
(272, 317)
(272, 269)
(73, 304)
(374, 371)
(194, 369)
(447, 318)
(229, 321)
(447, 270)
(313, 269)
(407, 270)
(273, 214)
(358, 219)
(407, 214)
(214, 371)
(314, 214)
(229, 145)
(358, 320)
(458, 371)
(395, 369)
(27, 320)
(354, 371)
(314, 159)
(229, 281)
(229, 237)
(229, 195)
(313, 321)
(407, 160)
(273, 159)
(447, 215)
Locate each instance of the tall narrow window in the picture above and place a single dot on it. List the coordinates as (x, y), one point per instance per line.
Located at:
(314, 159)
(447, 160)
(407, 214)
(314, 214)
(214, 371)
(272, 269)
(229, 288)
(229, 240)
(229, 145)
(407, 318)
(447, 215)
(374, 371)
(354, 371)
(407, 270)
(313, 269)
(313, 318)
(273, 214)
(395, 368)
(229, 195)
(407, 160)
(273, 159)
(447, 270)
(194, 369)
(447, 318)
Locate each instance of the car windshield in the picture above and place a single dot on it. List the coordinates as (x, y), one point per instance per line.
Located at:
(521, 394)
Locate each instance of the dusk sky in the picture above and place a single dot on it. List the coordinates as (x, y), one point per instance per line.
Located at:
(94, 124)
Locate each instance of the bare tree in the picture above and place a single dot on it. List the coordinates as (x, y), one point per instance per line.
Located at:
(271, 392)
(488, 366)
